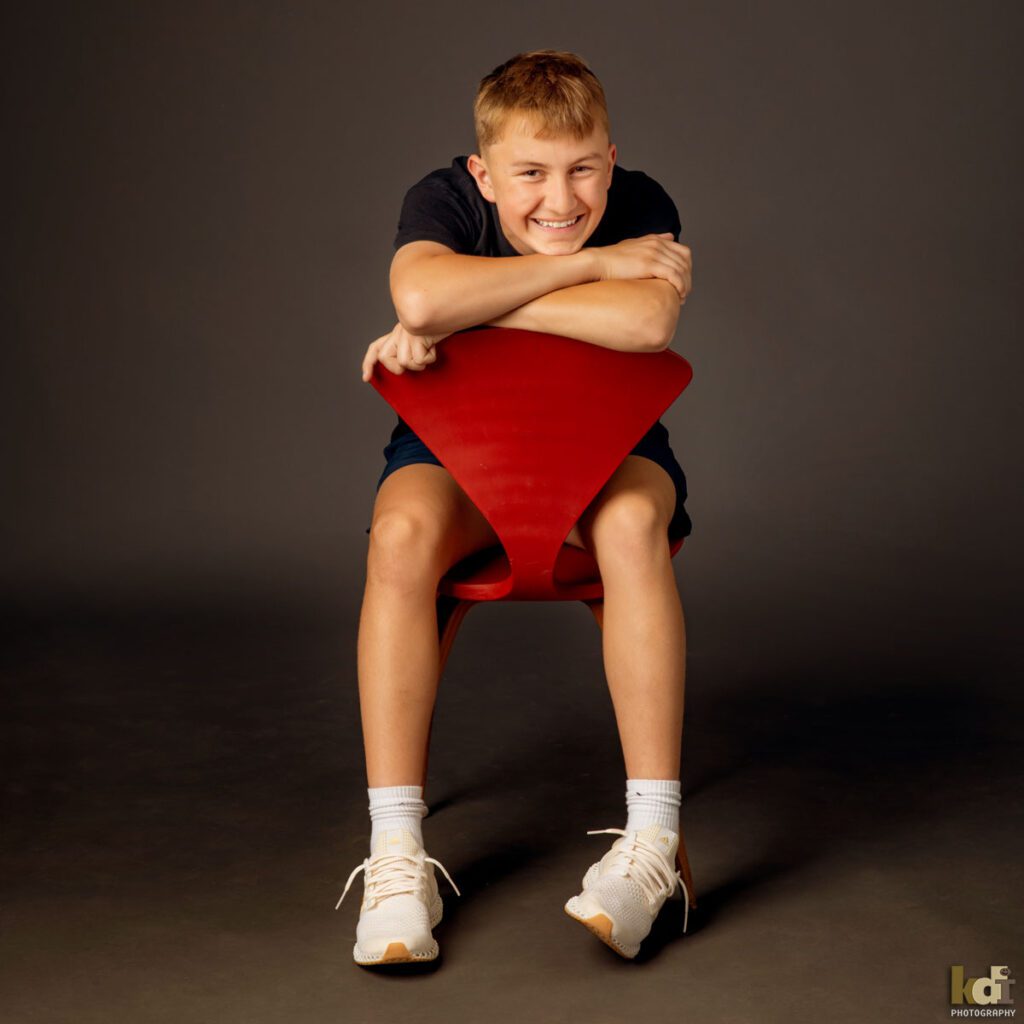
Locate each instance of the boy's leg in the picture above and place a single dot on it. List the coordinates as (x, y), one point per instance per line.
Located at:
(423, 523)
(626, 528)
(643, 635)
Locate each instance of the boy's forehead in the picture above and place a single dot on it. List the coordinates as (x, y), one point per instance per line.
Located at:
(521, 143)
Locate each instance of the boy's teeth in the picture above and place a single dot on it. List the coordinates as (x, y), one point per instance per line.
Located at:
(556, 223)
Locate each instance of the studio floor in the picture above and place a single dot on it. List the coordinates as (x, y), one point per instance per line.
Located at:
(186, 798)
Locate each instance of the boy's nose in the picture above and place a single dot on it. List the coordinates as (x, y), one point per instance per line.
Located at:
(561, 200)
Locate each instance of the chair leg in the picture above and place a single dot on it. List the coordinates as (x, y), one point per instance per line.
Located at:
(450, 613)
(597, 607)
(684, 868)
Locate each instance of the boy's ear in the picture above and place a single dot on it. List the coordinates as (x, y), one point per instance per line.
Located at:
(612, 154)
(476, 166)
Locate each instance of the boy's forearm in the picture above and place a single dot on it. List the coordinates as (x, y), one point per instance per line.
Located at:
(628, 315)
(449, 292)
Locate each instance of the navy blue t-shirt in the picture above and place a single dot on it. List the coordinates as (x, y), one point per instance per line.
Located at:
(446, 206)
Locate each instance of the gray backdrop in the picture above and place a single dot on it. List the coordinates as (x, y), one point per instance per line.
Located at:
(199, 228)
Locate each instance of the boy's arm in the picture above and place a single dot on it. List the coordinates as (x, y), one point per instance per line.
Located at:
(622, 296)
(438, 291)
(623, 315)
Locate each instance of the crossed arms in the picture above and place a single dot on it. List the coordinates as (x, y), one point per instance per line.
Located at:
(625, 296)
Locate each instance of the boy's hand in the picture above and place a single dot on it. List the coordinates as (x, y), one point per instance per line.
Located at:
(648, 256)
(398, 350)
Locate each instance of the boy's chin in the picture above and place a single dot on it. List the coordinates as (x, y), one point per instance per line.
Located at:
(559, 249)
(557, 246)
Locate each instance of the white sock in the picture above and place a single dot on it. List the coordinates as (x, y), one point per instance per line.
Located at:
(653, 801)
(396, 807)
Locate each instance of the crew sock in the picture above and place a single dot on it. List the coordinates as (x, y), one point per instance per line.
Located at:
(653, 801)
(396, 807)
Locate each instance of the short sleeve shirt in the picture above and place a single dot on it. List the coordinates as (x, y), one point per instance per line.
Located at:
(446, 206)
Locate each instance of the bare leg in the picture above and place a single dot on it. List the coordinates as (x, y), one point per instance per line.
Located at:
(423, 523)
(644, 635)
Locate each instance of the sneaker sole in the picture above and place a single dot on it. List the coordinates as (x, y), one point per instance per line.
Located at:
(601, 925)
(397, 952)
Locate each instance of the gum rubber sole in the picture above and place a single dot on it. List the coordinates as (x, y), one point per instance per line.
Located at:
(601, 926)
(397, 953)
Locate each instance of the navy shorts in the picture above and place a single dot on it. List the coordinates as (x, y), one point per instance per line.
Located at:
(408, 449)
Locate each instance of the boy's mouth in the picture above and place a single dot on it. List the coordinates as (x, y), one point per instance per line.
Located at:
(557, 226)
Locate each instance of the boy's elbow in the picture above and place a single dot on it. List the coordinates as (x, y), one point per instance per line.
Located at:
(661, 323)
(413, 310)
(662, 337)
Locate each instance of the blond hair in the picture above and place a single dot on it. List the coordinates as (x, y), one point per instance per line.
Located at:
(554, 86)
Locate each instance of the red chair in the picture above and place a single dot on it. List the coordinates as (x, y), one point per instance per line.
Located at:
(531, 426)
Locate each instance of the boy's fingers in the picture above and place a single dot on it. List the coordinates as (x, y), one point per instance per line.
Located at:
(670, 272)
(423, 353)
(368, 361)
(392, 363)
(680, 275)
(373, 355)
(397, 354)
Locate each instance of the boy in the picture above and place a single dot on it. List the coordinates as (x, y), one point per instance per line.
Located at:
(539, 230)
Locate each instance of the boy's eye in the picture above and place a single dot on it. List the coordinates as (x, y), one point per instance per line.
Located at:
(578, 167)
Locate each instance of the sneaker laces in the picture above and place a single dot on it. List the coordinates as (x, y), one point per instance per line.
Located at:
(640, 860)
(393, 874)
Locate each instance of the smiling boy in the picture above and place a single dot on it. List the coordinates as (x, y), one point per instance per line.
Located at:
(541, 230)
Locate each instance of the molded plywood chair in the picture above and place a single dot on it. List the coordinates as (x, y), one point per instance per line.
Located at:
(531, 426)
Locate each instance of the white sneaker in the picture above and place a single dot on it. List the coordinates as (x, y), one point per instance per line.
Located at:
(626, 889)
(400, 904)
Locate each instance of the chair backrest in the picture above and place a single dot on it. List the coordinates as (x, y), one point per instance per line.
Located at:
(531, 426)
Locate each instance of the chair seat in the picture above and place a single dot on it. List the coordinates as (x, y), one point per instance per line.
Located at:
(485, 575)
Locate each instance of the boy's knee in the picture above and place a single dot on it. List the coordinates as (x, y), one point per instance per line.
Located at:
(627, 527)
(404, 548)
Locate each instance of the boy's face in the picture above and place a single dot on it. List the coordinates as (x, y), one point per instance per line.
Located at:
(540, 184)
